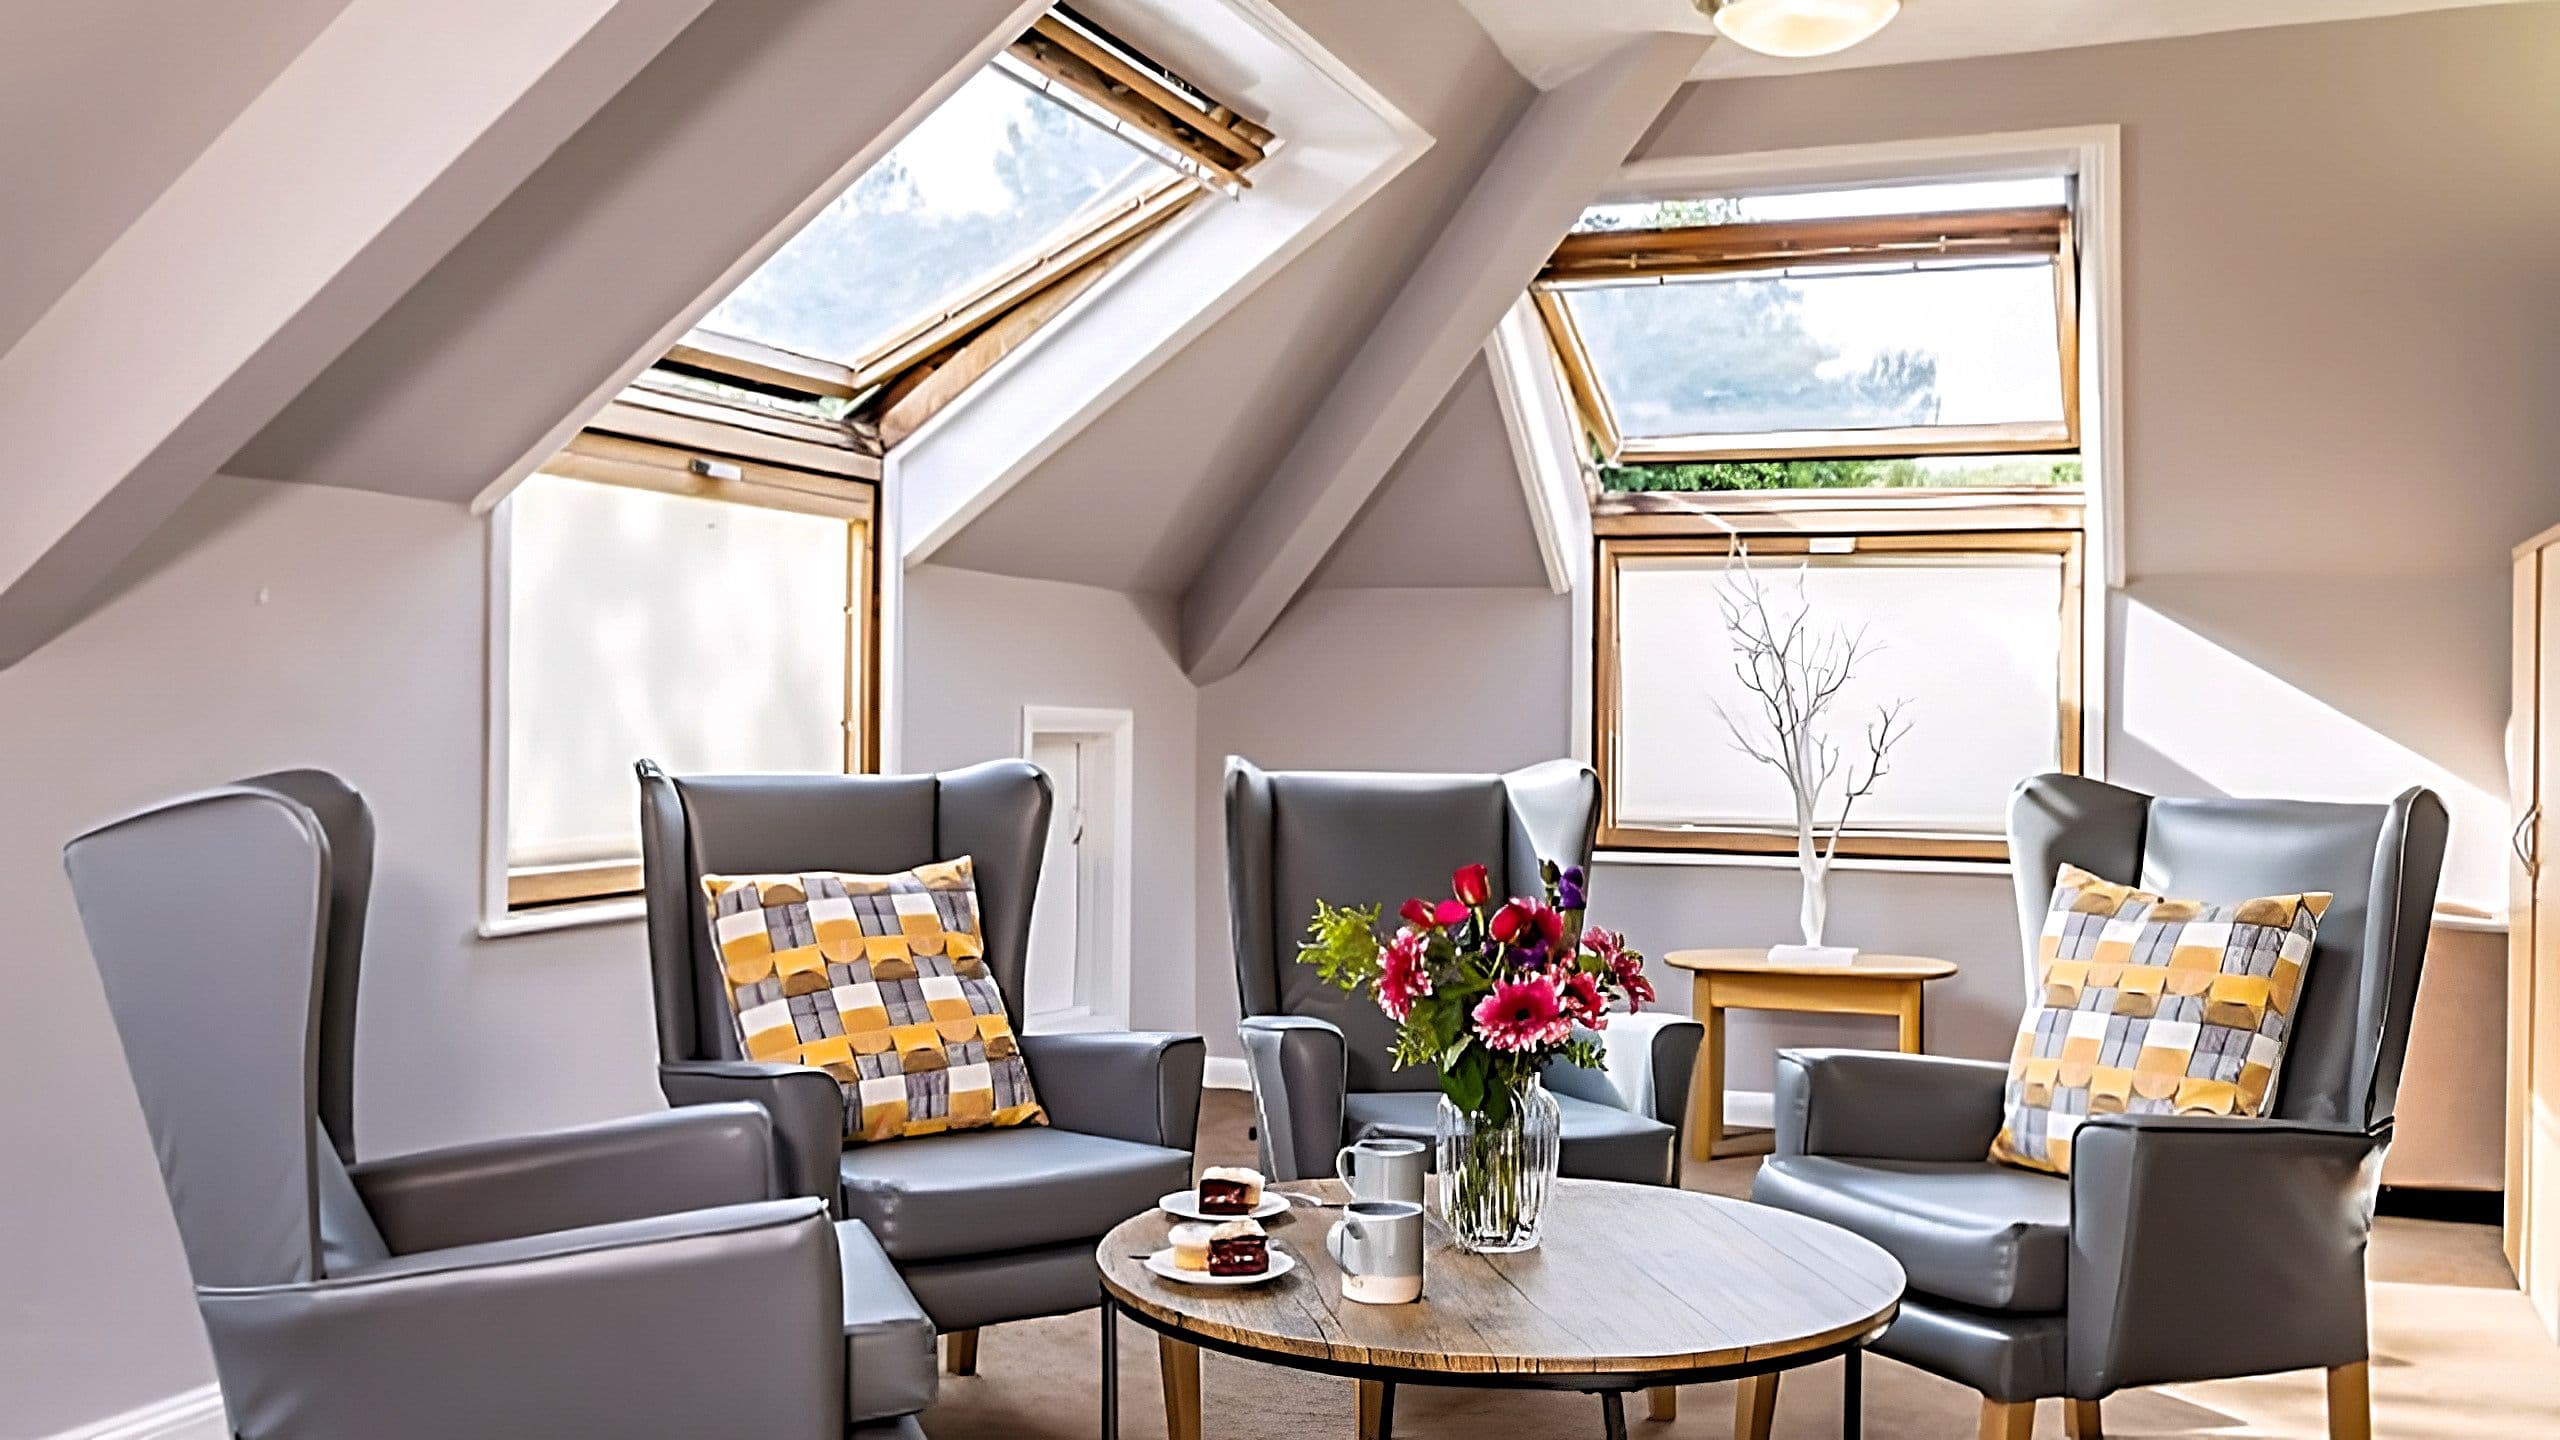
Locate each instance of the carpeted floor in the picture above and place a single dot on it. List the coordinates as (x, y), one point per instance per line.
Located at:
(2456, 1354)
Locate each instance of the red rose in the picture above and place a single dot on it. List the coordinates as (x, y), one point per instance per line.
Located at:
(1417, 912)
(1527, 923)
(1448, 913)
(1472, 884)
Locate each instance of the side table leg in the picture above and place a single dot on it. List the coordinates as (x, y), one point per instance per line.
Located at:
(1613, 1415)
(1706, 1091)
(1909, 1036)
(1851, 1402)
(1110, 1370)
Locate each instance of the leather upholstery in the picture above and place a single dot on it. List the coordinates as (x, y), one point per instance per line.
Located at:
(969, 1219)
(1601, 1142)
(546, 1285)
(973, 1191)
(889, 1364)
(658, 1164)
(1351, 838)
(2006, 1357)
(1988, 1235)
(2197, 1249)
(1884, 1106)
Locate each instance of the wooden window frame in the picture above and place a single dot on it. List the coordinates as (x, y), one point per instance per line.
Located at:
(910, 375)
(600, 457)
(1986, 529)
(1771, 247)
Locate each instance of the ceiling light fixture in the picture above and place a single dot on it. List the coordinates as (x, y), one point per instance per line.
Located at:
(1798, 29)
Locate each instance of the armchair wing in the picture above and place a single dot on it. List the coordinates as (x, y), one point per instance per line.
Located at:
(2205, 1247)
(1884, 1106)
(606, 1330)
(806, 1103)
(656, 1164)
(1142, 1086)
(1300, 1070)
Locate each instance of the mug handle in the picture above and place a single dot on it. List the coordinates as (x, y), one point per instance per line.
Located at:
(1342, 1165)
(1335, 1244)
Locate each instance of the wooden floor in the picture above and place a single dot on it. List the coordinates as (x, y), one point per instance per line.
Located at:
(2457, 1356)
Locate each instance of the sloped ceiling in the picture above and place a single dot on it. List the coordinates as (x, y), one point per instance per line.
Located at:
(1550, 41)
(1136, 501)
(102, 104)
(1451, 514)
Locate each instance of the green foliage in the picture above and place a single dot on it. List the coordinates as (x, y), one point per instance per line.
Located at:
(1731, 475)
(1342, 943)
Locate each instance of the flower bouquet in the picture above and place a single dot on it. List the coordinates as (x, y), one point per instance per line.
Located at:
(1488, 995)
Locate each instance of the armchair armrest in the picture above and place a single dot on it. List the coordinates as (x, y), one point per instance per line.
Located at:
(657, 1164)
(1647, 1059)
(2203, 1248)
(1300, 1067)
(1138, 1085)
(806, 1103)
(1882, 1106)
(600, 1330)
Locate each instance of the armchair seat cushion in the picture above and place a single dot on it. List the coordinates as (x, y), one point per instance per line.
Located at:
(1601, 1142)
(889, 1367)
(1965, 1230)
(981, 1192)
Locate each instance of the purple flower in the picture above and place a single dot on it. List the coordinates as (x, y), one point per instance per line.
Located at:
(1569, 889)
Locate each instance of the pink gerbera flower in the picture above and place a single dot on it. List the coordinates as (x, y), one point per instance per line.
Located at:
(1583, 1002)
(1522, 1015)
(1403, 977)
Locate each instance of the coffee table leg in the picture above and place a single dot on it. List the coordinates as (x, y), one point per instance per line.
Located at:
(1613, 1415)
(1110, 1370)
(1377, 1409)
(1180, 1361)
(1851, 1403)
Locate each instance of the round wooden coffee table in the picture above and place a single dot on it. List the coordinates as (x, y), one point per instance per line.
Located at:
(1632, 1287)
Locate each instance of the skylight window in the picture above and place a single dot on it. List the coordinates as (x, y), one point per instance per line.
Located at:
(995, 179)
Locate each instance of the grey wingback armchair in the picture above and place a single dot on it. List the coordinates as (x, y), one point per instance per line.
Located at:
(986, 1225)
(2179, 1249)
(646, 1277)
(1319, 1056)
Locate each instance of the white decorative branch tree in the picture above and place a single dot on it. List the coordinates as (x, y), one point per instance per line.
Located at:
(1796, 667)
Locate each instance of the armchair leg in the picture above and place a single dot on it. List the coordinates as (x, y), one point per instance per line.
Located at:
(2080, 1420)
(1755, 1404)
(1662, 1402)
(2351, 1402)
(2008, 1419)
(960, 1352)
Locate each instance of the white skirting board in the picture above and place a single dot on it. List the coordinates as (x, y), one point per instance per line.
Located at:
(1226, 1072)
(1750, 1110)
(191, 1415)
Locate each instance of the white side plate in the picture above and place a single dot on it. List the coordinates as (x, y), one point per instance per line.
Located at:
(1186, 1203)
(1161, 1263)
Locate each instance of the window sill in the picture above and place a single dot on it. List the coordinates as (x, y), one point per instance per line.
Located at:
(563, 917)
(1979, 869)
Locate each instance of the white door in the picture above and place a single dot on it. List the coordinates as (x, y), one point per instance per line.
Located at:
(1051, 987)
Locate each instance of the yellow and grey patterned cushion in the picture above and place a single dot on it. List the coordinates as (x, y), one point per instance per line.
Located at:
(2152, 1007)
(881, 981)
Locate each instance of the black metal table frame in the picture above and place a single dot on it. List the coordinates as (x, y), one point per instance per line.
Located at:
(1612, 1388)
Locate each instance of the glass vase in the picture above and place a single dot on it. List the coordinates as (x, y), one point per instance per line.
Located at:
(1495, 1174)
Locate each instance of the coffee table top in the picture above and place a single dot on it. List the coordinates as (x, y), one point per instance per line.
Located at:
(1865, 967)
(1627, 1280)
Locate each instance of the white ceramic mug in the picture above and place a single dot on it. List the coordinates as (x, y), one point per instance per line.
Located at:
(1382, 1168)
(1378, 1244)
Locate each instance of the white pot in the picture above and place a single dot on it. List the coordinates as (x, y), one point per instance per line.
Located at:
(1812, 954)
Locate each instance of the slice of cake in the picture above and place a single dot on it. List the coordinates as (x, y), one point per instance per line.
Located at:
(1190, 1246)
(1239, 1248)
(1230, 1190)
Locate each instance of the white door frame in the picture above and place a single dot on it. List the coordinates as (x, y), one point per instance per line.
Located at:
(1108, 1008)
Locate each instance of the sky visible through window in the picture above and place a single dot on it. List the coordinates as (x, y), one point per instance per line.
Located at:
(1836, 348)
(978, 186)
